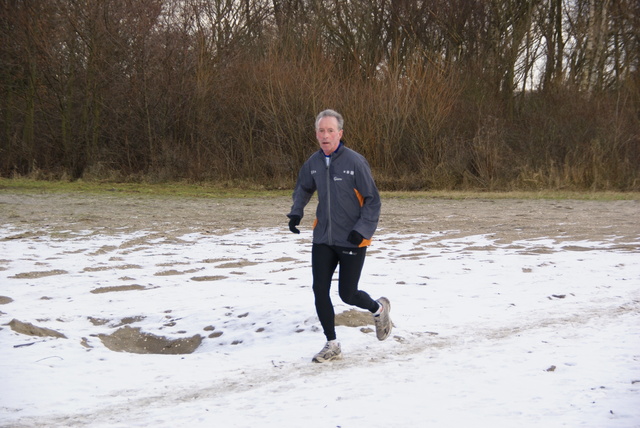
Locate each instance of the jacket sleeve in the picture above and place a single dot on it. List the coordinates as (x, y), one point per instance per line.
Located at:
(304, 190)
(369, 201)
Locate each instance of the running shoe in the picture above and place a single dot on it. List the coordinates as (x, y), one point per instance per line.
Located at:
(383, 320)
(330, 352)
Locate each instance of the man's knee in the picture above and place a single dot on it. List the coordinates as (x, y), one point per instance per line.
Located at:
(350, 298)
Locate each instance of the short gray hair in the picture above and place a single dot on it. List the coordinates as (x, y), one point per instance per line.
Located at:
(330, 113)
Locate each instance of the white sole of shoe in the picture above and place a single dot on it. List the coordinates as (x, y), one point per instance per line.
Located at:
(318, 359)
(322, 360)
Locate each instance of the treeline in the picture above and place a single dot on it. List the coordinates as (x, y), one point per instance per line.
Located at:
(446, 94)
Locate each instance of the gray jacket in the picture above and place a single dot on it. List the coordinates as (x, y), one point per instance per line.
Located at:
(348, 198)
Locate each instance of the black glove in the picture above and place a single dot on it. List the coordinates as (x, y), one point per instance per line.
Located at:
(294, 220)
(355, 238)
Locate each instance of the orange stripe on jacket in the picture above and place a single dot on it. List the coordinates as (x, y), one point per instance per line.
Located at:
(365, 242)
(360, 197)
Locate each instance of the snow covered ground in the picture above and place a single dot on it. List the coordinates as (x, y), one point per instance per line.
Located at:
(533, 333)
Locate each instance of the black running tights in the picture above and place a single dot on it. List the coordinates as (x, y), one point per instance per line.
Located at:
(324, 260)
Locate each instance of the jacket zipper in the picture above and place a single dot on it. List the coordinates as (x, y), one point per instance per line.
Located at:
(330, 238)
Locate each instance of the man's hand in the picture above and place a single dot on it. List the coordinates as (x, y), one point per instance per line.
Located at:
(294, 220)
(355, 238)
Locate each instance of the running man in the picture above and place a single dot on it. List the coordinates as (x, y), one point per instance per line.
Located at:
(346, 219)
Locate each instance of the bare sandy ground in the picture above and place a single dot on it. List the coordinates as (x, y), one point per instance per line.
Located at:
(504, 219)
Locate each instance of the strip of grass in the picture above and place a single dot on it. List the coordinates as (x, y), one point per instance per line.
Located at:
(173, 189)
(244, 190)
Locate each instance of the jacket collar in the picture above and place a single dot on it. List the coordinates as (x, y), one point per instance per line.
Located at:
(336, 152)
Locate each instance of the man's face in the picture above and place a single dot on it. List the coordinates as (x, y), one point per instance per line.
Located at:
(328, 134)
